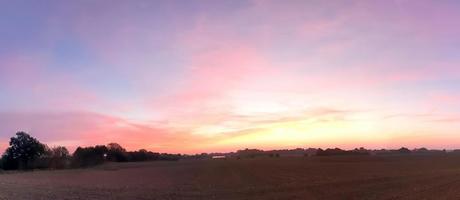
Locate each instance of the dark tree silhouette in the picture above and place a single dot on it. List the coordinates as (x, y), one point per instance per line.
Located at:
(88, 156)
(340, 152)
(60, 152)
(59, 157)
(8, 163)
(116, 153)
(404, 150)
(23, 150)
(143, 155)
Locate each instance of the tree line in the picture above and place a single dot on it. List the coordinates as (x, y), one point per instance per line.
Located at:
(309, 152)
(26, 152)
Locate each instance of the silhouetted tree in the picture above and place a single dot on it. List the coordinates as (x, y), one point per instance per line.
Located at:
(59, 157)
(340, 152)
(143, 155)
(8, 163)
(251, 153)
(23, 150)
(88, 156)
(116, 153)
(320, 152)
(404, 150)
(169, 157)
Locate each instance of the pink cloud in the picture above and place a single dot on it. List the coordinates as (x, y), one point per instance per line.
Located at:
(74, 129)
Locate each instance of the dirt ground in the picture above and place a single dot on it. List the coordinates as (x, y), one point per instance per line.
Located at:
(365, 177)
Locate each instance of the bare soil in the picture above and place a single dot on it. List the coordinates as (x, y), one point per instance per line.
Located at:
(340, 177)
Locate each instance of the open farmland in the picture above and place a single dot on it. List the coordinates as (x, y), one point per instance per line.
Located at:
(338, 177)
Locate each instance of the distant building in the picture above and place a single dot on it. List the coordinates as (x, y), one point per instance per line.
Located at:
(218, 157)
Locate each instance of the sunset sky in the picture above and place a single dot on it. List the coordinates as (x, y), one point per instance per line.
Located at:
(205, 76)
